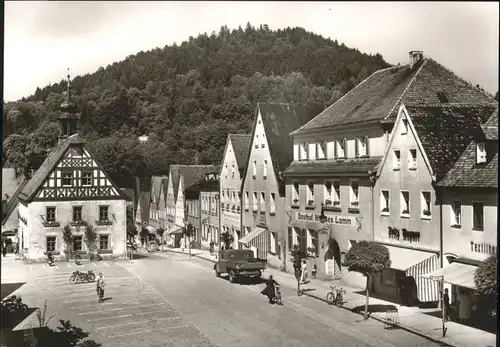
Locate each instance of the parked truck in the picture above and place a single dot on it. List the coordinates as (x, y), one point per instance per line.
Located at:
(239, 263)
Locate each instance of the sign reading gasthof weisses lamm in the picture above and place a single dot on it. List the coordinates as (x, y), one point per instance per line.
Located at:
(330, 219)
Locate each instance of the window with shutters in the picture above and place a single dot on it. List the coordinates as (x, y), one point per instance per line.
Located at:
(412, 159)
(477, 216)
(328, 201)
(264, 169)
(336, 193)
(310, 193)
(262, 202)
(425, 203)
(305, 151)
(384, 202)
(405, 203)
(340, 146)
(456, 213)
(254, 169)
(272, 203)
(404, 128)
(396, 159)
(255, 201)
(360, 146)
(354, 194)
(321, 150)
(246, 201)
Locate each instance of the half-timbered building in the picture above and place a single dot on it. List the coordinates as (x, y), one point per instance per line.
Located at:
(71, 188)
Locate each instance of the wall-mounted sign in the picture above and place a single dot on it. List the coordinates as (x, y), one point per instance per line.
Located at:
(483, 247)
(330, 219)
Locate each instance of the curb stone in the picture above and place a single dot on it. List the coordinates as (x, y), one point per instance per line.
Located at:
(406, 328)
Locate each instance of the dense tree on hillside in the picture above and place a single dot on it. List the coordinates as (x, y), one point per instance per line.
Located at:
(187, 97)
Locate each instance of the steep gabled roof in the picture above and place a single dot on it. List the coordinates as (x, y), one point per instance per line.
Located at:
(190, 173)
(156, 187)
(241, 147)
(445, 131)
(50, 163)
(377, 99)
(279, 120)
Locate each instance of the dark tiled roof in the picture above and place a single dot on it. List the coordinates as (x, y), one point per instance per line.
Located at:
(445, 130)
(279, 120)
(191, 174)
(378, 98)
(203, 185)
(490, 128)
(13, 201)
(241, 147)
(352, 166)
(156, 187)
(466, 174)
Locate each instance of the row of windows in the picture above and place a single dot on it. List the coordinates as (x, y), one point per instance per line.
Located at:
(86, 179)
(78, 243)
(361, 149)
(412, 159)
(332, 196)
(259, 200)
(230, 197)
(404, 204)
(51, 215)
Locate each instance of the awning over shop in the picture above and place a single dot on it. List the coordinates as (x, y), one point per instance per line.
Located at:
(150, 228)
(253, 234)
(404, 258)
(175, 230)
(457, 274)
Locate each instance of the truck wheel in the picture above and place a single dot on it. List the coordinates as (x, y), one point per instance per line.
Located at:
(232, 277)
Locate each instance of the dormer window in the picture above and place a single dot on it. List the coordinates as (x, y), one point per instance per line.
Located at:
(304, 151)
(361, 146)
(321, 150)
(481, 152)
(340, 146)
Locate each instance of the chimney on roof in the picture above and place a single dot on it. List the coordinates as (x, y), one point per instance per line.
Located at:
(415, 57)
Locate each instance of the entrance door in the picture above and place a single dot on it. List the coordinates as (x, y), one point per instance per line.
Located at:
(333, 259)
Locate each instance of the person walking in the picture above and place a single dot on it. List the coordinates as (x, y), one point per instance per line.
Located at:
(304, 272)
(446, 305)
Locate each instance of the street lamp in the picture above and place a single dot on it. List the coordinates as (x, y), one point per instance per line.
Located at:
(441, 280)
(322, 217)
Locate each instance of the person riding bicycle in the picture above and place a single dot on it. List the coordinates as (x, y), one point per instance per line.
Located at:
(270, 290)
(100, 284)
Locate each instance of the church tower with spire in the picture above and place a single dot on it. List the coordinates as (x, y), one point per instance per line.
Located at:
(68, 120)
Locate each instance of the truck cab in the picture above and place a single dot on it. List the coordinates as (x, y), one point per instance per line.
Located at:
(238, 263)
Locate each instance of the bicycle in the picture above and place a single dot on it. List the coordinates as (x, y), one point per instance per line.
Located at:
(335, 297)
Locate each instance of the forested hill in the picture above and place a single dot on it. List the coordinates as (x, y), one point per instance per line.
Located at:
(186, 97)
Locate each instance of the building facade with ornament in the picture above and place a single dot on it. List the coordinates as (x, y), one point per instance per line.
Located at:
(68, 189)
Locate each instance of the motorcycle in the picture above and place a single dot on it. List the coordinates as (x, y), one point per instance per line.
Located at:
(14, 304)
(50, 259)
(78, 276)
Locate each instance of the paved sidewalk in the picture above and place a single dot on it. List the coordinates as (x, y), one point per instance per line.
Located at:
(412, 319)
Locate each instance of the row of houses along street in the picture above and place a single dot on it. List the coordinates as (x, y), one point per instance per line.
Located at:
(407, 159)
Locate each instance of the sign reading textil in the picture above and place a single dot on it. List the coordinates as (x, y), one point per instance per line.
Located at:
(332, 219)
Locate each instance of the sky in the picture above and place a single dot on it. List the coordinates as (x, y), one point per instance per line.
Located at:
(43, 39)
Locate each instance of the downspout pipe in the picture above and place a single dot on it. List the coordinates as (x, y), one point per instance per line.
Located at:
(441, 250)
